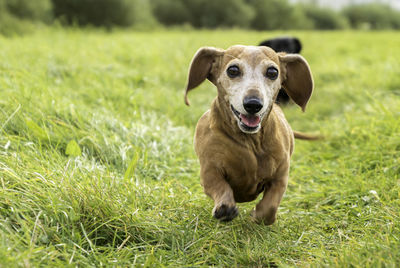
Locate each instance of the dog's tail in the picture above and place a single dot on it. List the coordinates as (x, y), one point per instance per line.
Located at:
(304, 136)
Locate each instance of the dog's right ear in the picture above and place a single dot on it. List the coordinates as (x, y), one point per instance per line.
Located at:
(201, 67)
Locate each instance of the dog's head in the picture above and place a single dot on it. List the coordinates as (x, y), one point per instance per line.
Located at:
(248, 79)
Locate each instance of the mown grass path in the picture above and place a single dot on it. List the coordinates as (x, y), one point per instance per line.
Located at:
(97, 165)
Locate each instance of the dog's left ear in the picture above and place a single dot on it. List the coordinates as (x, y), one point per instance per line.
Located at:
(201, 67)
(296, 78)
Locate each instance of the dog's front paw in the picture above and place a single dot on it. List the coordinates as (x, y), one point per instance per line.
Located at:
(267, 218)
(225, 212)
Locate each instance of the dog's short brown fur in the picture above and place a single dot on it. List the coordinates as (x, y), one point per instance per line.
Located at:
(238, 164)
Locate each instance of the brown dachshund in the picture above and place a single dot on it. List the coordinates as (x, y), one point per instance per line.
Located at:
(244, 142)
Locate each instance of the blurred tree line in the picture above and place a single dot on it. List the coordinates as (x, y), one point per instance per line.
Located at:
(18, 15)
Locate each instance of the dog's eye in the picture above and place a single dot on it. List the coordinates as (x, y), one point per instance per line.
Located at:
(272, 73)
(233, 71)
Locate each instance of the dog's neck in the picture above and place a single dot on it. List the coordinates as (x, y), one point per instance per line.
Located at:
(223, 120)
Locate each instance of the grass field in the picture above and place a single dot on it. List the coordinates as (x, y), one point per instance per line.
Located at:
(97, 165)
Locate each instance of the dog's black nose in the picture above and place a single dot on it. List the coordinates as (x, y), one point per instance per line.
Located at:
(252, 105)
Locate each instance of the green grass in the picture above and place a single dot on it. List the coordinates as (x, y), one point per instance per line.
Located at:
(97, 166)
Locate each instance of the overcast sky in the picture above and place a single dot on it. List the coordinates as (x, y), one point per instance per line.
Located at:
(341, 3)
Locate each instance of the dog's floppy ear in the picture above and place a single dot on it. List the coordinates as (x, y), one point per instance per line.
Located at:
(297, 79)
(201, 67)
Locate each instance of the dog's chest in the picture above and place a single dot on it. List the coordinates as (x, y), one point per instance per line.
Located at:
(248, 173)
(266, 166)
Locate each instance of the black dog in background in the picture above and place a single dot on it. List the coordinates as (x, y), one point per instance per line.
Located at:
(283, 44)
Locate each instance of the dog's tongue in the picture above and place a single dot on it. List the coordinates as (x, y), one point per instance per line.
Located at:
(250, 120)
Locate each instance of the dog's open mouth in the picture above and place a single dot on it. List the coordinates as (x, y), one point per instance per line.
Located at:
(247, 122)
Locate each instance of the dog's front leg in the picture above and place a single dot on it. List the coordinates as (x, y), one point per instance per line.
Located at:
(266, 210)
(220, 191)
